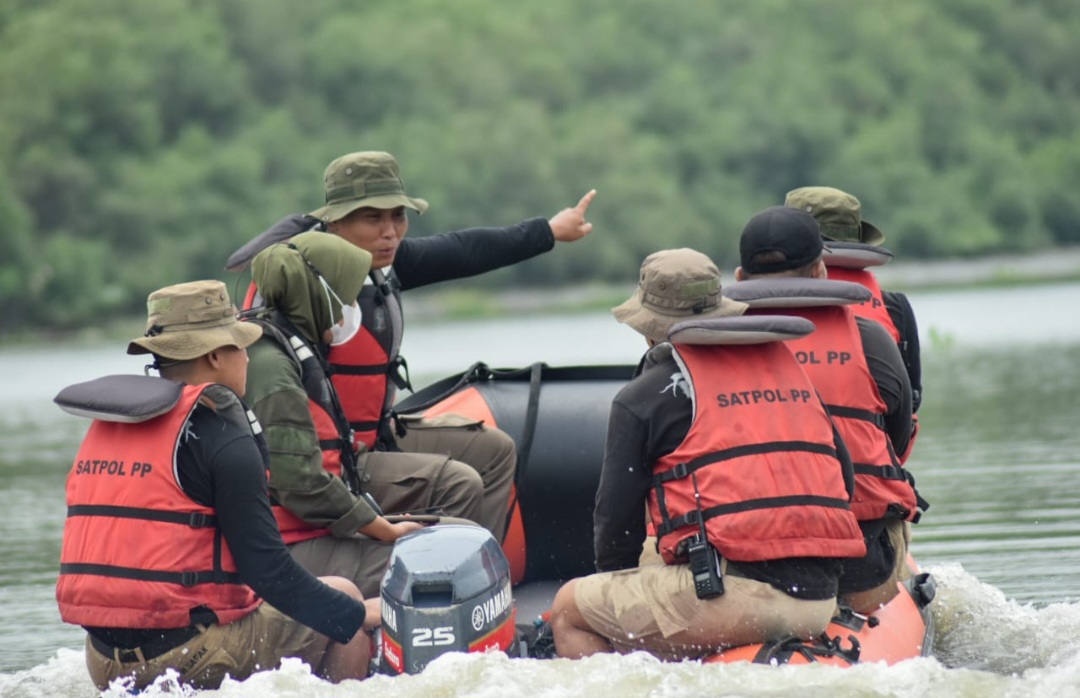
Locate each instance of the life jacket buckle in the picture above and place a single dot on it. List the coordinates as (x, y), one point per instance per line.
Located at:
(398, 370)
(200, 520)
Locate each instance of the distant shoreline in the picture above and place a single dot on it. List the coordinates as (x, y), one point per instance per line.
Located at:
(1047, 266)
(447, 303)
(456, 302)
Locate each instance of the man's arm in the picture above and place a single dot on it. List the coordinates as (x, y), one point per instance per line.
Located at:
(903, 316)
(625, 479)
(464, 253)
(298, 480)
(650, 417)
(228, 473)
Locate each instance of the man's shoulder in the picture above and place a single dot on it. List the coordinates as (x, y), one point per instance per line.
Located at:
(205, 433)
(657, 377)
(267, 352)
(206, 420)
(270, 368)
(877, 342)
(898, 306)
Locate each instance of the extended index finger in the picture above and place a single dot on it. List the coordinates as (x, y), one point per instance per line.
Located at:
(583, 205)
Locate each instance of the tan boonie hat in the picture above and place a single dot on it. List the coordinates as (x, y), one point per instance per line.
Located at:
(367, 178)
(838, 213)
(188, 320)
(674, 286)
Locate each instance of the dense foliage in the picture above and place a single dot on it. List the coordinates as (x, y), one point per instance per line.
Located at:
(141, 142)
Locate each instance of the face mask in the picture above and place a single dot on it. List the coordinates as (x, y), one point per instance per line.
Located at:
(348, 327)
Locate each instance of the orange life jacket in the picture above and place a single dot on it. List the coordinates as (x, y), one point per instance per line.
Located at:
(761, 453)
(365, 370)
(137, 551)
(873, 309)
(833, 358)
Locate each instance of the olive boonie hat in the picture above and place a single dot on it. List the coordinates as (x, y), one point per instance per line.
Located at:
(674, 286)
(367, 178)
(790, 233)
(188, 320)
(838, 213)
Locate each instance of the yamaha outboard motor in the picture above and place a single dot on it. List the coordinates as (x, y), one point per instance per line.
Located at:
(446, 589)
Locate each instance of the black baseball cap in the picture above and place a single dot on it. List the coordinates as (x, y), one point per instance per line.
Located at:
(791, 232)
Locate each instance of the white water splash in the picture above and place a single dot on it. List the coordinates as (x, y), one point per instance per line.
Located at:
(987, 646)
(978, 627)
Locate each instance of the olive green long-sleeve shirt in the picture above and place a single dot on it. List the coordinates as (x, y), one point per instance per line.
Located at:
(298, 480)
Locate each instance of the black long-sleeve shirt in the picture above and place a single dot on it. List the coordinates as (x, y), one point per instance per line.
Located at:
(888, 371)
(463, 253)
(433, 258)
(220, 466)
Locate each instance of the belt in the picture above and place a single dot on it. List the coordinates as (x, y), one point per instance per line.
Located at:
(156, 646)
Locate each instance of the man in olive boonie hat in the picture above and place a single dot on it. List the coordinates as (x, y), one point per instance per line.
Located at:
(675, 286)
(781, 252)
(368, 178)
(838, 213)
(366, 204)
(840, 216)
(191, 319)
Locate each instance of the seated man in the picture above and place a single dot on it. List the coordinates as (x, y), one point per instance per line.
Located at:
(329, 496)
(858, 372)
(171, 558)
(767, 479)
(366, 204)
(857, 250)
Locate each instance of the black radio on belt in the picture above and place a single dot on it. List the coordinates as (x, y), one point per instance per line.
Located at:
(704, 559)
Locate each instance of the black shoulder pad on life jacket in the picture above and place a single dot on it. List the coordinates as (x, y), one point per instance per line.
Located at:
(796, 292)
(656, 354)
(901, 313)
(903, 316)
(854, 255)
(230, 407)
(744, 329)
(265, 319)
(122, 398)
(284, 229)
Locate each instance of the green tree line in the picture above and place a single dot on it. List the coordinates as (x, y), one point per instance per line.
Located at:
(141, 142)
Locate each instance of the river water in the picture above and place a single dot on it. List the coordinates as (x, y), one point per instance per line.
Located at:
(998, 457)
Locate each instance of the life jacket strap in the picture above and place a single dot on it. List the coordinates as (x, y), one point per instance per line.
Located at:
(885, 472)
(875, 418)
(398, 370)
(188, 578)
(683, 470)
(694, 517)
(194, 519)
(359, 369)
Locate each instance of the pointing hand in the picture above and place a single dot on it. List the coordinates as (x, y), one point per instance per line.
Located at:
(569, 224)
